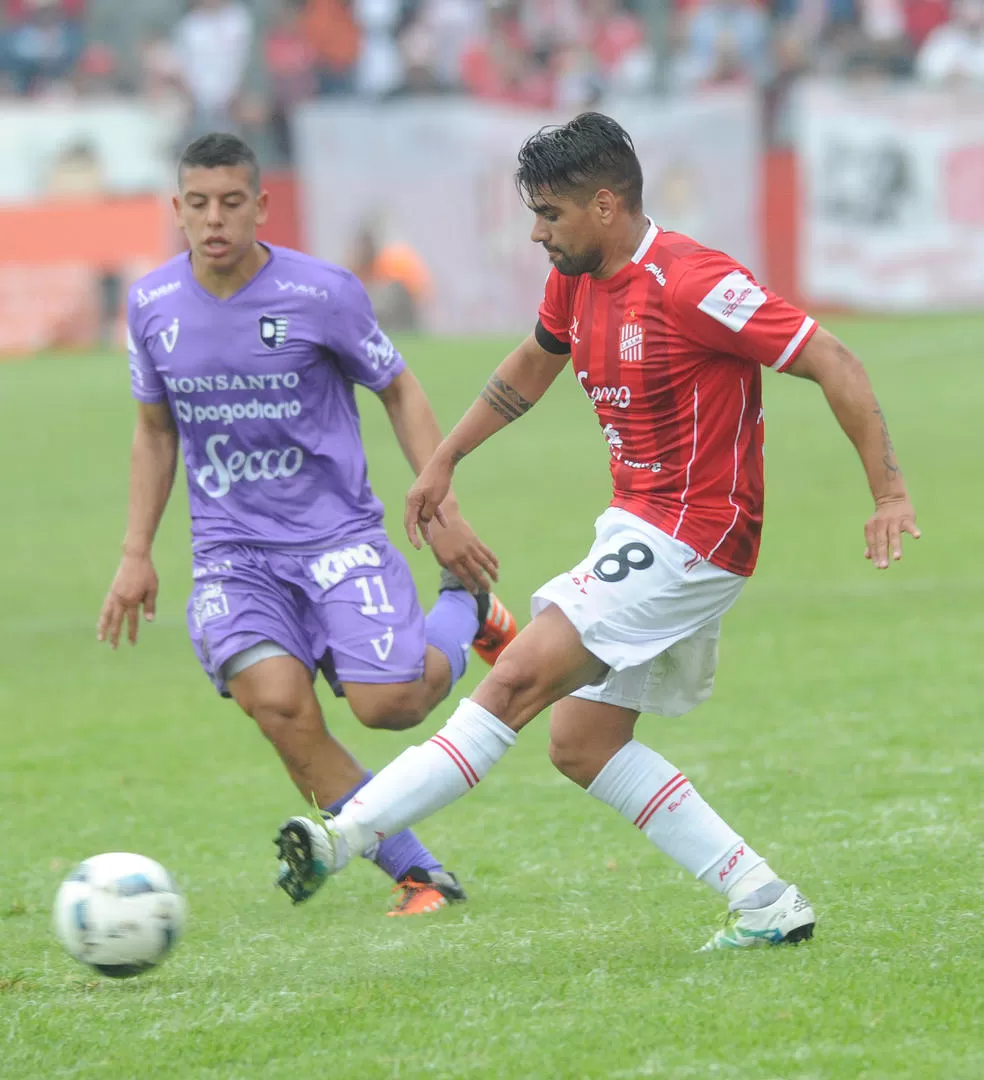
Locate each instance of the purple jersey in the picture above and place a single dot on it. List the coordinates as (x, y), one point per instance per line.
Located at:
(262, 388)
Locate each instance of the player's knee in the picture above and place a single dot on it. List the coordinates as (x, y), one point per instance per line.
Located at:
(281, 720)
(512, 681)
(393, 707)
(567, 756)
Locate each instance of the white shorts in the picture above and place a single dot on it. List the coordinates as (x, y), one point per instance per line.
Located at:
(650, 608)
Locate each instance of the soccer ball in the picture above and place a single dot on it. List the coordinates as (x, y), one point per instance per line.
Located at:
(119, 913)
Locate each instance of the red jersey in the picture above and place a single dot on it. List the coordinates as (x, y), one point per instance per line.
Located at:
(670, 352)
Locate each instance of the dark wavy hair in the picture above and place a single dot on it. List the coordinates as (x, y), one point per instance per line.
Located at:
(579, 158)
(219, 149)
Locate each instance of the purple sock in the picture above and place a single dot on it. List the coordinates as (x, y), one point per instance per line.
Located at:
(452, 624)
(396, 854)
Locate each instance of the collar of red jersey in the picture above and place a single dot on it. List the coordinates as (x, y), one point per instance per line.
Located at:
(647, 241)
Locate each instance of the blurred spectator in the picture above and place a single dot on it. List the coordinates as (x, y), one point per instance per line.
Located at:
(330, 28)
(290, 60)
(725, 41)
(435, 40)
(812, 21)
(43, 44)
(379, 70)
(394, 276)
(922, 17)
(502, 66)
(160, 69)
(76, 173)
(953, 54)
(617, 39)
(212, 44)
(97, 72)
(163, 90)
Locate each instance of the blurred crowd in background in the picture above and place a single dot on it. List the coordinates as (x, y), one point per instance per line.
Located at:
(244, 64)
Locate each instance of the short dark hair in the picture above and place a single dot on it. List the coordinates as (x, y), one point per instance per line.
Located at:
(219, 149)
(591, 151)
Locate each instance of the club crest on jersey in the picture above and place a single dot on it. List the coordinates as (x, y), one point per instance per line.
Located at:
(273, 330)
(630, 341)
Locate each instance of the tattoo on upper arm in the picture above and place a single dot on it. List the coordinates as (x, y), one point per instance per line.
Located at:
(888, 450)
(506, 401)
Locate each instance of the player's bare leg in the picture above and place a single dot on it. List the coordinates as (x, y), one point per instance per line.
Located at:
(397, 706)
(593, 742)
(278, 694)
(458, 622)
(545, 662)
(586, 735)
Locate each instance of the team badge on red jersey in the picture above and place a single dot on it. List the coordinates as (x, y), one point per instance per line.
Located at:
(630, 342)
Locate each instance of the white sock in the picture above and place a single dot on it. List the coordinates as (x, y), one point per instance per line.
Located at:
(425, 778)
(658, 799)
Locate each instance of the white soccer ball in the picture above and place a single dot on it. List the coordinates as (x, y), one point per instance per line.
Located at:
(119, 913)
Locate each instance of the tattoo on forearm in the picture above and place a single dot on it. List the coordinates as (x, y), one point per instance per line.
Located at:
(888, 450)
(457, 456)
(506, 401)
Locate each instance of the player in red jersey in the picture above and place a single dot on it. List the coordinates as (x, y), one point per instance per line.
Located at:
(668, 340)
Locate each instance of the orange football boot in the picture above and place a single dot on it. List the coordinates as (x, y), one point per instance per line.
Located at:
(496, 627)
(424, 891)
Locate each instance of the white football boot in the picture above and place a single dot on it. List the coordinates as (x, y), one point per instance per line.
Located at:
(775, 914)
(310, 852)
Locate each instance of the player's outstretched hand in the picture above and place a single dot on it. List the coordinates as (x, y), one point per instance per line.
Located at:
(459, 550)
(424, 500)
(135, 585)
(883, 530)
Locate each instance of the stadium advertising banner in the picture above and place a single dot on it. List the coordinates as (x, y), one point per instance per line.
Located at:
(437, 177)
(891, 210)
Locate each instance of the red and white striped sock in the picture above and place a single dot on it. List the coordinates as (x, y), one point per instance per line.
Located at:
(660, 801)
(425, 778)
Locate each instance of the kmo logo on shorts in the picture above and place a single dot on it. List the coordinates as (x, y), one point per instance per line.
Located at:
(329, 570)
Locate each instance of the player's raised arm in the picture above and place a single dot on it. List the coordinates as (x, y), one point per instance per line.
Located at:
(514, 388)
(153, 459)
(455, 545)
(845, 383)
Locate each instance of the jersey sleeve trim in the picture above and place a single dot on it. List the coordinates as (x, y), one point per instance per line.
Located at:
(806, 330)
(550, 342)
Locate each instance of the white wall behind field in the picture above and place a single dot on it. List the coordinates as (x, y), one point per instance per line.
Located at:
(438, 175)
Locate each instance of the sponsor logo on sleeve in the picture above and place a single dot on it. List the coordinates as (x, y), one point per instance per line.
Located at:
(380, 351)
(169, 337)
(150, 295)
(733, 301)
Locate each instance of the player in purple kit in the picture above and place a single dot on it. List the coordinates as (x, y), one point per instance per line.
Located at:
(247, 356)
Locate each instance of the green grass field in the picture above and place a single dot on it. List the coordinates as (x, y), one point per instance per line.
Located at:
(843, 740)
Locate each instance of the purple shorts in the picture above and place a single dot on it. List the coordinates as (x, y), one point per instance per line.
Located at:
(351, 612)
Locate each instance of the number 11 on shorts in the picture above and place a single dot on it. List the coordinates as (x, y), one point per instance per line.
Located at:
(369, 608)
